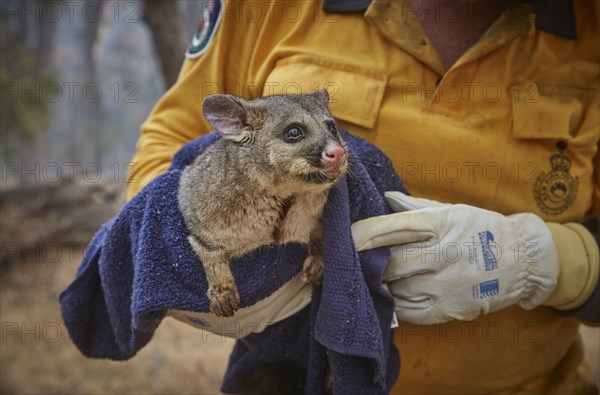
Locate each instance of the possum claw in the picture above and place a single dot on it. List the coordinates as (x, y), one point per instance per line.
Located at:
(312, 270)
(224, 299)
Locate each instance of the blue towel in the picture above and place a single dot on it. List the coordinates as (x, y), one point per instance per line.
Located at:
(139, 265)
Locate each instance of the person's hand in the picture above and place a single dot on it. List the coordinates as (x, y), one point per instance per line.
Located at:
(288, 300)
(455, 262)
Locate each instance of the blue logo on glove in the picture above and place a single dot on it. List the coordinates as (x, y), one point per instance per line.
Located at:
(489, 259)
(486, 289)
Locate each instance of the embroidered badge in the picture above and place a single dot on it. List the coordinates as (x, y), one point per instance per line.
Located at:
(207, 27)
(556, 190)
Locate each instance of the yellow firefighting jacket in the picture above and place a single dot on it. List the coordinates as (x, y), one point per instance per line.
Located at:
(512, 126)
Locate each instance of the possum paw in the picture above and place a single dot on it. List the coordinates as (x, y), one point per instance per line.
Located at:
(312, 270)
(224, 299)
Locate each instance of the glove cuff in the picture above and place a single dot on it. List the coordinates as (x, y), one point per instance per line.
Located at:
(543, 266)
(579, 262)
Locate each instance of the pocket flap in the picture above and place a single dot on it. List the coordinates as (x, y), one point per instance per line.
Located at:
(544, 112)
(355, 92)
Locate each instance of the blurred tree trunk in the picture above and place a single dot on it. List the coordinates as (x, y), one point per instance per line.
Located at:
(87, 140)
(27, 46)
(169, 36)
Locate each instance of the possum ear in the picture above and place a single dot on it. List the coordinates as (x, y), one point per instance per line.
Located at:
(228, 115)
(322, 96)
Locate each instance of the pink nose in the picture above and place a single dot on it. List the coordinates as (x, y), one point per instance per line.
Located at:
(333, 157)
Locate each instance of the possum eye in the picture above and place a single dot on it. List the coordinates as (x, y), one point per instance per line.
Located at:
(294, 133)
(332, 128)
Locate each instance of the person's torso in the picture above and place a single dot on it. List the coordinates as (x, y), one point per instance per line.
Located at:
(512, 127)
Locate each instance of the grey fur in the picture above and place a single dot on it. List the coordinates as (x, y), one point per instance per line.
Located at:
(252, 187)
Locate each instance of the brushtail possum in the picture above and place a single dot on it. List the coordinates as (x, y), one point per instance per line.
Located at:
(266, 180)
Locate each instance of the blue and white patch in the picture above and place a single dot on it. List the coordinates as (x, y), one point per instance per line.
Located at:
(486, 289)
(207, 27)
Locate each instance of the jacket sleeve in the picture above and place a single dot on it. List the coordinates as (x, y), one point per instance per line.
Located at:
(589, 310)
(177, 117)
(578, 290)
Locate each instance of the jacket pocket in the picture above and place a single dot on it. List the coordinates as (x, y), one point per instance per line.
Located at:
(547, 112)
(355, 92)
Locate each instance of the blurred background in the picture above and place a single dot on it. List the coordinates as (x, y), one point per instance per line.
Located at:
(78, 77)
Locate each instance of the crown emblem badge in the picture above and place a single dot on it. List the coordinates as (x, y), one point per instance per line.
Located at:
(556, 190)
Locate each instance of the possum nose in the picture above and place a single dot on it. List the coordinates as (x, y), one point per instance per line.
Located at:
(333, 156)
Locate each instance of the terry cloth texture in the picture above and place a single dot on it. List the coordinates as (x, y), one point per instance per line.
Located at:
(140, 264)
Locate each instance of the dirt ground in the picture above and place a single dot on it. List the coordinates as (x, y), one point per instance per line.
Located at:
(37, 357)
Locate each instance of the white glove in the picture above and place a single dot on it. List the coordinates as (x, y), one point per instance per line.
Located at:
(455, 262)
(292, 297)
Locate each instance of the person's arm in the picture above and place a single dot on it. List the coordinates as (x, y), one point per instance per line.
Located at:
(177, 117)
(566, 256)
(586, 244)
(517, 259)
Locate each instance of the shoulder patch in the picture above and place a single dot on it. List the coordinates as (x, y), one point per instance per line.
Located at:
(207, 27)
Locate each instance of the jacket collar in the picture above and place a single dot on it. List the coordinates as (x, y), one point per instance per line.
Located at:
(553, 16)
(345, 6)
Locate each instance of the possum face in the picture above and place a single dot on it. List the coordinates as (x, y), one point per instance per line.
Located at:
(294, 137)
(301, 139)
(309, 154)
